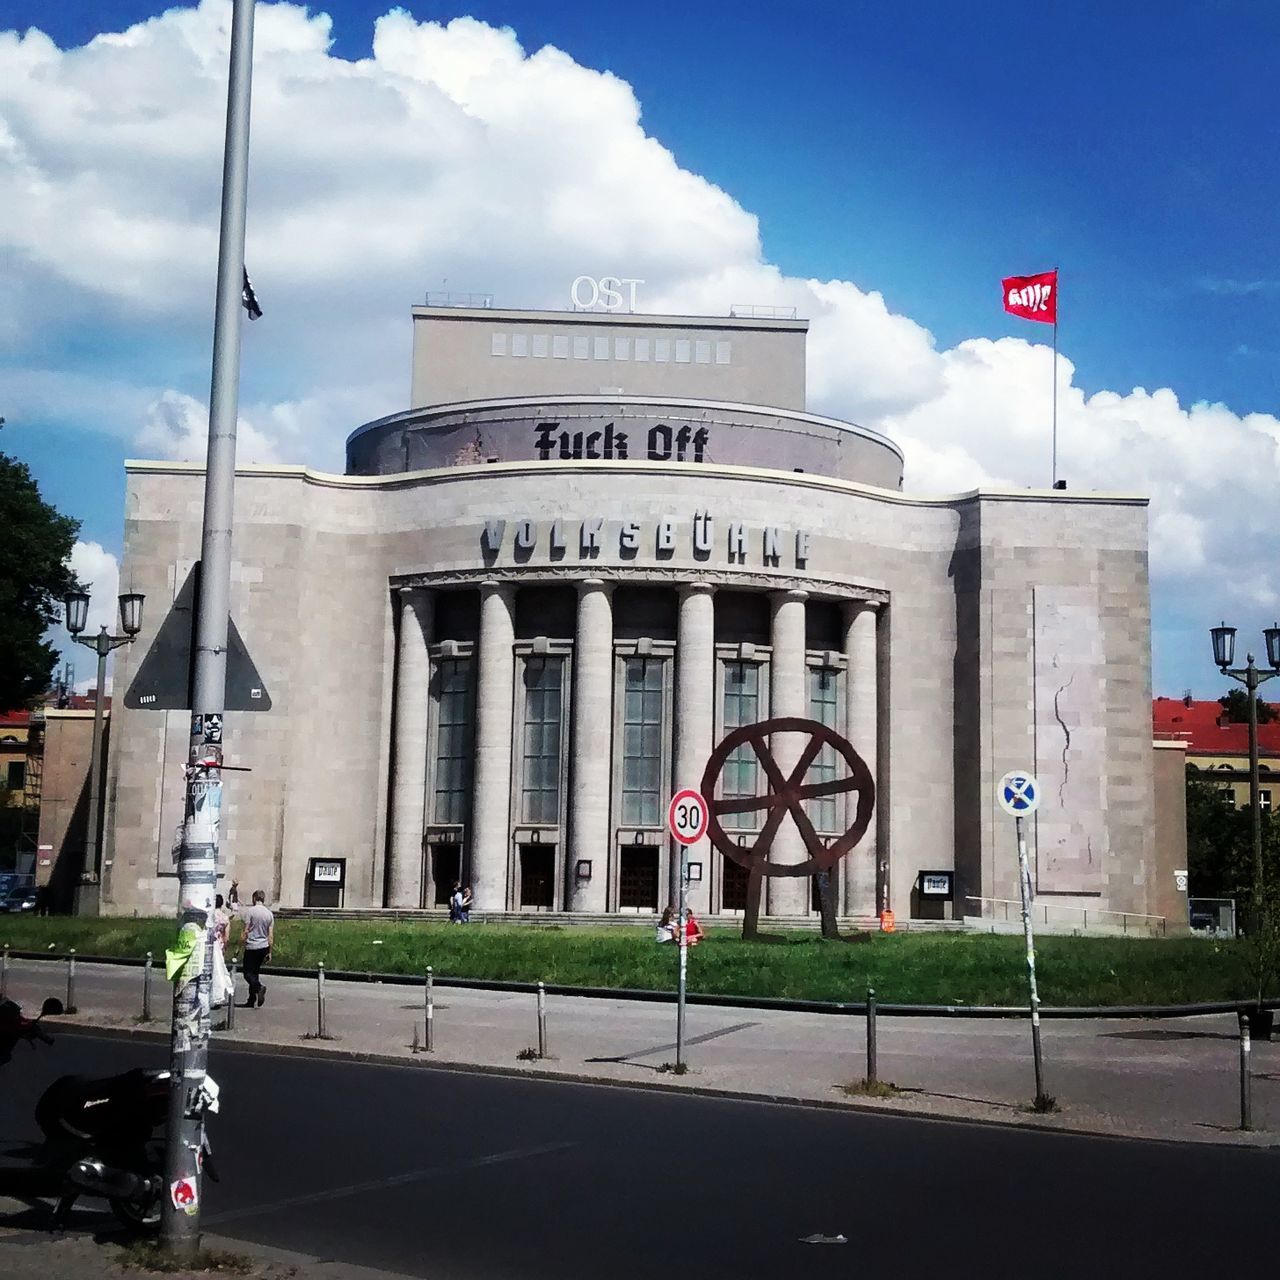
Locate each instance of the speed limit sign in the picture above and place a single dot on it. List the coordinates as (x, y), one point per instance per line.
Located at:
(687, 816)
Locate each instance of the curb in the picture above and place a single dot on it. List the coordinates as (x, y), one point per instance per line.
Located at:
(783, 1005)
(263, 1048)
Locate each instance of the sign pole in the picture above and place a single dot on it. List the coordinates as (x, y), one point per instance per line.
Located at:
(687, 822)
(1024, 876)
(199, 854)
(684, 955)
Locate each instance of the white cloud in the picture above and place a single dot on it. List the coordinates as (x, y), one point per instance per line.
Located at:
(452, 154)
(176, 427)
(98, 571)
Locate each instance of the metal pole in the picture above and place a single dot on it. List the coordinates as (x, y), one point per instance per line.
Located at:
(1246, 1076)
(71, 981)
(146, 988)
(1024, 876)
(871, 1035)
(198, 857)
(321, 1029)
(1255, 809)
(1055, 405)
(431, 1013)
(231, 1004)
(684, 954)
(91, 872)
(4, 972)
(542, 1020)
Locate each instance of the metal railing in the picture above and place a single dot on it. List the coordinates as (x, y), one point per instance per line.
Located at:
(749, 311)
(447, 299)
(1059, 915)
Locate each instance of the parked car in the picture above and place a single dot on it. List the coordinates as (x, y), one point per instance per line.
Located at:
(19, 898)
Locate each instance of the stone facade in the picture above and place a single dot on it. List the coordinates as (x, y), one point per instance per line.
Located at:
(499, 671)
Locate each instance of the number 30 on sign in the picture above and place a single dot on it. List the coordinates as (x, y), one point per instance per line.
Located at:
(687, 816)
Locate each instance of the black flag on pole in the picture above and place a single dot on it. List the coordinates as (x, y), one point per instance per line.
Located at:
(249, 298)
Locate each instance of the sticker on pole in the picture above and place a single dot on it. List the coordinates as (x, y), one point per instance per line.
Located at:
(184, 1196)
(687, 816)
(1019, 793)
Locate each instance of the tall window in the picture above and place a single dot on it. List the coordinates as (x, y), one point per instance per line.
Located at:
(642, 743)
(741, 769)
(540, 776)
(823, 685)
(453, 740)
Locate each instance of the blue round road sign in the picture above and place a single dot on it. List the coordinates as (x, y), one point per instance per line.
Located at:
(1019, 793)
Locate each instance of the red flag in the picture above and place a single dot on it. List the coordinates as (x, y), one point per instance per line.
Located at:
(1032, 297)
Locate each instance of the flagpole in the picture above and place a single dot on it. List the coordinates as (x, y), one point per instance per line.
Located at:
(1054, 373)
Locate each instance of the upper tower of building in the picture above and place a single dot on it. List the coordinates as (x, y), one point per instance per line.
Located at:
(498, 385)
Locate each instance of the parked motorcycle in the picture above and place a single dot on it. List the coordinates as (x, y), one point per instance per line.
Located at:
(103, 1137)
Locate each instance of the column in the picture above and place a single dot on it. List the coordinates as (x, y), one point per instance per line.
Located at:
(694, 722)
(409, 762)
(491, 804)
(861, 717)
(591, 765)
(788, 696)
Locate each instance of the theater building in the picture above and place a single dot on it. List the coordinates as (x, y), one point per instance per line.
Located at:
(593, 544)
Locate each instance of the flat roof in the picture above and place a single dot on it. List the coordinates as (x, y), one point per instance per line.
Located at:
(632, 319)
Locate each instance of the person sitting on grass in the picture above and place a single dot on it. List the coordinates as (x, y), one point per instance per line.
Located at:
(666, 930)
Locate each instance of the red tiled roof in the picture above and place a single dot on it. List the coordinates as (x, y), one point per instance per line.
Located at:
(1203, 727)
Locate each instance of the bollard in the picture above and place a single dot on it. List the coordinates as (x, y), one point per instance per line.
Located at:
(322, 1030)
(417, 1044)
(431, 1014)
(71, 981)
(4, 972)
(146, 988)
(231, 1004)
(871, 1035)
(1246, 1076)
(542, 1020)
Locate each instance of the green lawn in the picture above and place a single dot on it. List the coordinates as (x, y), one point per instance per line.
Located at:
(904, 968)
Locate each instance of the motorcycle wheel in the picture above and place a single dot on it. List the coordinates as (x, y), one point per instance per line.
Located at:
(140, 1215)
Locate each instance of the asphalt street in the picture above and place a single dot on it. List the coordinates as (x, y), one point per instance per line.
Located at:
(429, 1172)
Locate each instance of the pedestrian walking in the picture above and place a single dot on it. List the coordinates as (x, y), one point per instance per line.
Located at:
(455, 903)
(259, 936)
(466, 904)
(222, 991)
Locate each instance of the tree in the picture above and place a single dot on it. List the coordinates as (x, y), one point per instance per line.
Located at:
(1220, 843)
(34, 577)
(1236, 705)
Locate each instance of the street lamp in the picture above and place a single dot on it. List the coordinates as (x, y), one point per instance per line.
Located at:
(77, 606)
(1224, 652)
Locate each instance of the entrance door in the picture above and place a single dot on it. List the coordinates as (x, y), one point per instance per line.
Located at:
(446, 871)
(734, 894)
(537, 877)
(638, 878)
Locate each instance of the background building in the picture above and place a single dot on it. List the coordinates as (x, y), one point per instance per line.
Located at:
(593, 544)
(1217, 750)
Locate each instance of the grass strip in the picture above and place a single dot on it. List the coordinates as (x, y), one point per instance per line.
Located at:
(904, 968)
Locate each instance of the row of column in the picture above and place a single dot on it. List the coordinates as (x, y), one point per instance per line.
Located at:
(591, 733)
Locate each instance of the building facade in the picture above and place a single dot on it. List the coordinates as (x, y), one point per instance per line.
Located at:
(1218, 749)
(593, 545)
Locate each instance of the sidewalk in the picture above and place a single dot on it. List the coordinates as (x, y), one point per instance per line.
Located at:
(1175, 1079)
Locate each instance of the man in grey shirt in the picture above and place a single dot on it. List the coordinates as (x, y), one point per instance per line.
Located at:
(259, 934)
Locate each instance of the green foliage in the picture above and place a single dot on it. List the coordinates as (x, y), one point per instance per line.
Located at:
(904, 968)
(1220, 843)
(35, 542)
(1236, 704)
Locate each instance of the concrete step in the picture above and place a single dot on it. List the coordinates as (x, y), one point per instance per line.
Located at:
(578, 919)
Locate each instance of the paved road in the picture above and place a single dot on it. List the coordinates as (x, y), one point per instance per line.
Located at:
(1175, 1078)
(428, 1172)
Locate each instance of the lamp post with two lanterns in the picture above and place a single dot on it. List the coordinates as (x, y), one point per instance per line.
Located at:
(1224, 652)
(77, 606)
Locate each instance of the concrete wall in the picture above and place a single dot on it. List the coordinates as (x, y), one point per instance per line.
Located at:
(454, 356)
(64, 801)
(988, 604)
(1170, 790)
(612, 428)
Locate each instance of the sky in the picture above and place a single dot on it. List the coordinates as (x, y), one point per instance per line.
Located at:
(878, 167)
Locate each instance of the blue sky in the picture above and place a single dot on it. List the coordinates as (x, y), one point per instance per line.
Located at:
(919, 152)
